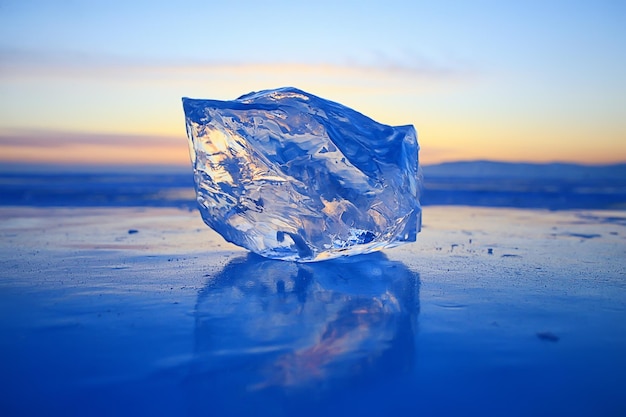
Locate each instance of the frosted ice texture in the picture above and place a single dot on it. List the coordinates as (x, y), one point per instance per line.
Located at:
(292, 176)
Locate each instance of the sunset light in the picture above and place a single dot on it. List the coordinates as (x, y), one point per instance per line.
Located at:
(497, 82)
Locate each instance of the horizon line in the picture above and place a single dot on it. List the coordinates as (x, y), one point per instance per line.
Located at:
(7, 167)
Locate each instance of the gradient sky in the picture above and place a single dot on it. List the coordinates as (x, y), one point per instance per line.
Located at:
(101, 81)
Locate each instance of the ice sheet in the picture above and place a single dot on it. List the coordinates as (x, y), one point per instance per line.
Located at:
(493, 312)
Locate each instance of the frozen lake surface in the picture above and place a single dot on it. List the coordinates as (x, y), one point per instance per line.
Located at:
(146, 311)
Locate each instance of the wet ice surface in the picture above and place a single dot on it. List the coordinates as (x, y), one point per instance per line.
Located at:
(491, 312)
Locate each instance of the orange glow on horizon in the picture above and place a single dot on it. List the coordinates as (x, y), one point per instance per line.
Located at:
(439, 143)
(457, 115)
(178, 155)
(91, 154)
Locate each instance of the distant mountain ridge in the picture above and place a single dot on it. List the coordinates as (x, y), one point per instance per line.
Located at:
(525, 185)
(477, 183)
(513, 170)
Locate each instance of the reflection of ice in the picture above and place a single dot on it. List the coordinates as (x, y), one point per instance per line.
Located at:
(265, 325)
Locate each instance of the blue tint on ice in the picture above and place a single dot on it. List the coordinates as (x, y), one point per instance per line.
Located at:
(292, 176)
(98, 322)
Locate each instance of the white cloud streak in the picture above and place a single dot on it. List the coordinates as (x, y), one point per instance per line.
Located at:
(24, 64)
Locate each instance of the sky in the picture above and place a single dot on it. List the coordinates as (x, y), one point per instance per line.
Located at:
(100, 82)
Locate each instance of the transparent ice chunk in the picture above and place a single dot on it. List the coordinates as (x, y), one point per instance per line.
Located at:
(292, 176)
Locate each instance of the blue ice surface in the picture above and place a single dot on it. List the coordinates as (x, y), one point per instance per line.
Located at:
(105, 330)
(270, 338)
(92, 324)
